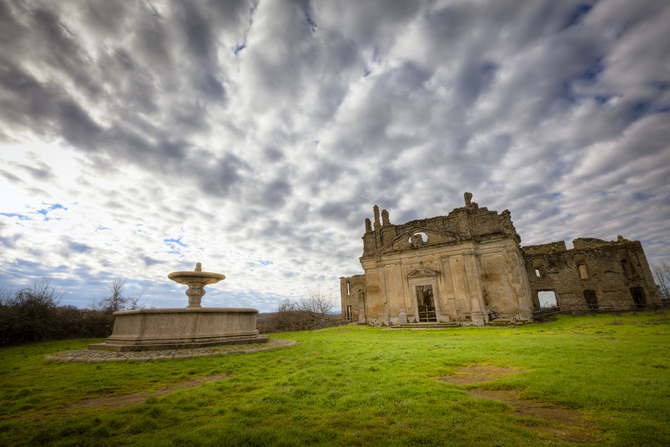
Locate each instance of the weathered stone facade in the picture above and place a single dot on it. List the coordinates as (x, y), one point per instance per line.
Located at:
(468, 267)
(595, 274)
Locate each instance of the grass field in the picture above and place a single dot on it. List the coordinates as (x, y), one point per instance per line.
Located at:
(357, 385)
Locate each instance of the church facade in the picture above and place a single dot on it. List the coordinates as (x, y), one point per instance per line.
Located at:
(467, 267)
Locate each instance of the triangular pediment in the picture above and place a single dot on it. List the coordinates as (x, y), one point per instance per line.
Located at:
(435, 237)
(423, 272)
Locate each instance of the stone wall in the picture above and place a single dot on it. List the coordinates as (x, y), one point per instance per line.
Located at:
(595, 274)
(351, 296)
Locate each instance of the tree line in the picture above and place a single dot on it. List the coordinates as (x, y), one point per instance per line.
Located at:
(34, 314)
(312, 312)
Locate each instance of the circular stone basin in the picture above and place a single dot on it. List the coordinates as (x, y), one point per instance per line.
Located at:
(203, 278)
(181, 328)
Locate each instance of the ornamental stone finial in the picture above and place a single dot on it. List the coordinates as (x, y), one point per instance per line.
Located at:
(468, 199)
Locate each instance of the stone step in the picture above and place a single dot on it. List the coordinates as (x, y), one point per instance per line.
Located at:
(425, 325)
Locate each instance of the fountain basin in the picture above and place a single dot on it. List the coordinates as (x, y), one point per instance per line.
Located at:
(196, 277)
(146, 329)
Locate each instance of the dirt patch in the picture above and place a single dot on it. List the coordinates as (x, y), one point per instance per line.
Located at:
(126, 400)
(467, 375)
(566, 424)
(563, 423)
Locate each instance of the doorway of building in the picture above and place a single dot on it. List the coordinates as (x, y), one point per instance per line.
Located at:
(426, 303)
(591, 299)
(638, 296)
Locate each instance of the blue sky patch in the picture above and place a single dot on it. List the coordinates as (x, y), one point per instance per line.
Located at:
(20, 216)
(175, 241)
(577, 14)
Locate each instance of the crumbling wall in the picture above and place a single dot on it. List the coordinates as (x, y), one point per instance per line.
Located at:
(351, 293)
(549, 248)
(460, 257)
(461, 224)
(595, 274)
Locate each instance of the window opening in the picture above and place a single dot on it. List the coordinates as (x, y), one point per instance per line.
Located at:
(537, 273)
(348, 288)
(349, 313)
(583, 271)
(547, 299)
(638, 296)
(426, 303)
(591, 299)
(418, 239)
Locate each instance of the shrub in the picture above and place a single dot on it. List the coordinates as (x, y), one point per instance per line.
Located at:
(30, 314)
(309, 313)
(33, 314)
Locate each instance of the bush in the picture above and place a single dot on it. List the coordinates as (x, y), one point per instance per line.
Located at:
(33, 314)
(29, 314)
(306, 314)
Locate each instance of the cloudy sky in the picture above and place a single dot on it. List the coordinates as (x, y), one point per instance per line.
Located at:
(140, 137)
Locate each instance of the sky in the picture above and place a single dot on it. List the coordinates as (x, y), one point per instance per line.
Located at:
(138, 138)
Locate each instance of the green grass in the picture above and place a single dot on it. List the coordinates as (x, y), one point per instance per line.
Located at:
(355, 385)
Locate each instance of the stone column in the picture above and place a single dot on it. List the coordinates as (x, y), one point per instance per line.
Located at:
(525, 304)
(480, 315)
(361, 306)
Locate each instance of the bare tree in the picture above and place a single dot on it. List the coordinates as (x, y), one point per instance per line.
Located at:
(117, 301)
(661, 274)
(309, 313)
(319, 304)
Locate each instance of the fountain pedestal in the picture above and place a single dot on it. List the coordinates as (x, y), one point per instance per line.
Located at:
(192, 327)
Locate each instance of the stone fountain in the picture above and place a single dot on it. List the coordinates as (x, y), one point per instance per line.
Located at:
(190, 327)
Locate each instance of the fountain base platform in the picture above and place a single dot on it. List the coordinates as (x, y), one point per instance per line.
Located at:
(149, 329)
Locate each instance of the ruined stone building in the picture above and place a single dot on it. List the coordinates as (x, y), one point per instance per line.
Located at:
(469, 267)
(595, 273)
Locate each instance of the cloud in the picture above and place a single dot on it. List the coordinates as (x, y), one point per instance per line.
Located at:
(267, 130)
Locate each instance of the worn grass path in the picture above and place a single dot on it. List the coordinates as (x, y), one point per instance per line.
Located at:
(359, 386)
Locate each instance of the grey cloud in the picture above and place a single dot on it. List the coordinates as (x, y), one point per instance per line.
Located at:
(335, 210)
(273, 154)
(10, 241)
(474, 79)
(276, 193)
(61, 51)
(78, 247)
(29, 100)
(108, 17)
(77, 126)
(9, 176)
(224, 175)
(149, 261)
(41, 171)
